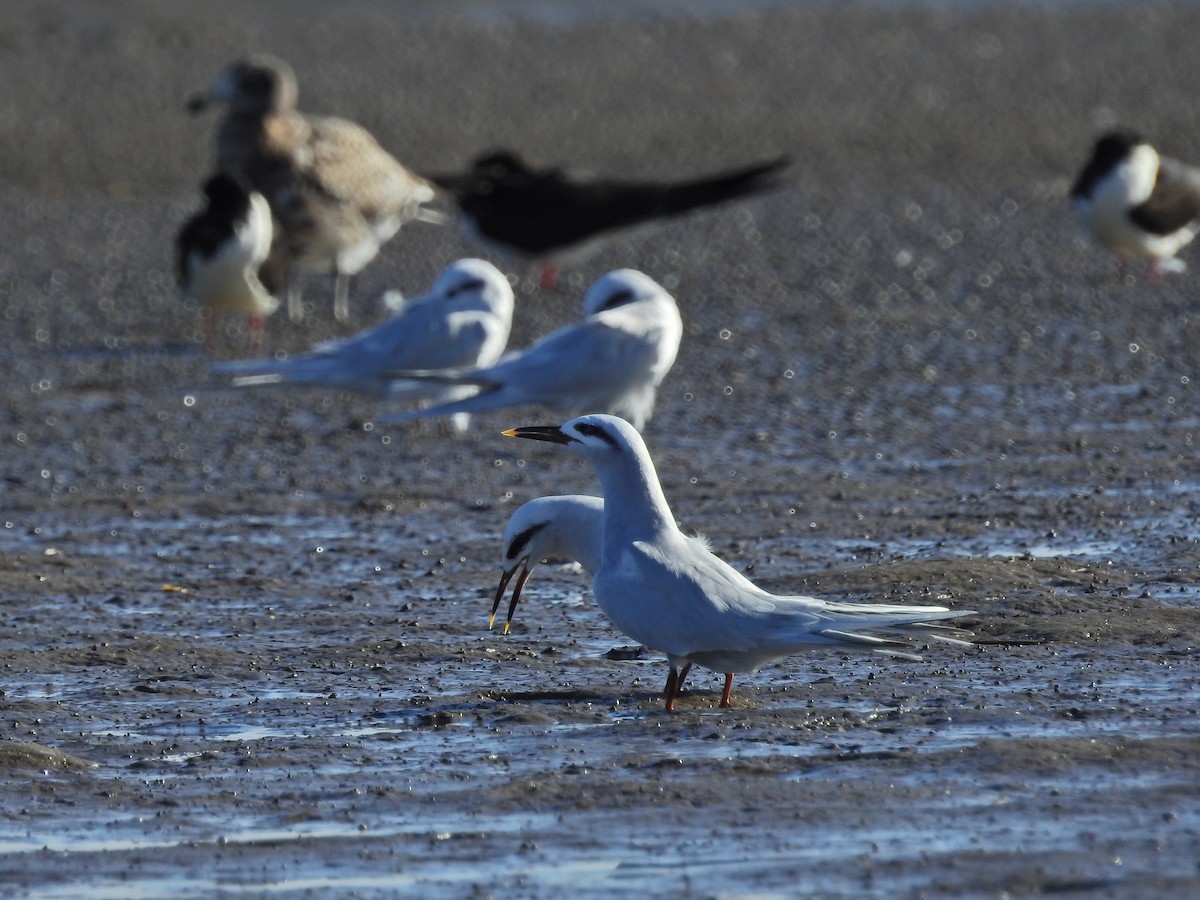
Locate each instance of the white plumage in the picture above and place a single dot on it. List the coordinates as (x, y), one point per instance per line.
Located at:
(464, 320)
(671, 593)
(220, 251)
(613, 360)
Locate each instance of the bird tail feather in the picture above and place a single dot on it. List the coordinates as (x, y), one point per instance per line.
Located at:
(726, 186)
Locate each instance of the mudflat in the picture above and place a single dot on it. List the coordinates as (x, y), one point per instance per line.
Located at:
(245, 646)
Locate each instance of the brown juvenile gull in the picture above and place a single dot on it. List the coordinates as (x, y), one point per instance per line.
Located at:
(221, 256)
(336, 194)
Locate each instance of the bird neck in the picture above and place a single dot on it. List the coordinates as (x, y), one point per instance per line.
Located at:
(635, 507)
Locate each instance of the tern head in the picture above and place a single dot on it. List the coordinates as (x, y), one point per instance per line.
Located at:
(467, 277)
(595, 433)
(258, 85)
(1110, 150)
(620, 288)
(568, 527)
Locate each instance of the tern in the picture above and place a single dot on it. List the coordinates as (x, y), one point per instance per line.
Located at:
(569, 526)
(1138, 203)
(613, 360)
(335, 192)
(670, 593)
(543, 214)
(220, 253)
(464, 320)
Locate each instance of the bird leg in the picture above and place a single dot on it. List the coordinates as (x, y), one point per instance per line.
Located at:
(1123, 269)
(671, 689)
(255, 326)
(674, 683)
(728, 688)
(549, 276)
(683, 673)
(341, 297)
(295, 302)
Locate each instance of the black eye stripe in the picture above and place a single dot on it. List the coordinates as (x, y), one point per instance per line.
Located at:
(620, 298)
(597, 431)
(517, 548)
(473, 284)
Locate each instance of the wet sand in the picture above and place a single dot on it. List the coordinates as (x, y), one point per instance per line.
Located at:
(245, 645)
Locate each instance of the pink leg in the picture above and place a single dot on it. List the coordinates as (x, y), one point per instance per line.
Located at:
(255, 324)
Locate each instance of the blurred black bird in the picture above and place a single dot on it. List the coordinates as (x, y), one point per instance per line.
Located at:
(222, 256)
(545, 215)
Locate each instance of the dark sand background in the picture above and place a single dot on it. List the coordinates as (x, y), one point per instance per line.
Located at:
(244, 646)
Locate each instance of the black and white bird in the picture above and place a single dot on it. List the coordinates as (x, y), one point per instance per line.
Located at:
(569, 526)
(337, 195)
(1138, 203)
(463, 321)
(613, 360)
(220, 253)
(544, 215)
(669, 592)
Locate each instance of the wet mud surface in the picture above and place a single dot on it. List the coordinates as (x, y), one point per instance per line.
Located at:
(245, 647)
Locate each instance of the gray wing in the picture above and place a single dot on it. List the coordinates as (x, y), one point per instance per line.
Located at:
(574, 368)
(578, 365)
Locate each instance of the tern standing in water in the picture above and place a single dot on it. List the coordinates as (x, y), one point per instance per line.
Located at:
(671, 593)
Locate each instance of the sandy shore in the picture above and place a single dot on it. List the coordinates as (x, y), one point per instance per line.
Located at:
(245, 644)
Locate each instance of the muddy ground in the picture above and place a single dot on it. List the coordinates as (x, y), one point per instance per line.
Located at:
(245, 648)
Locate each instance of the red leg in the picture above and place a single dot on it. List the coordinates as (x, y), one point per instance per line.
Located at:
(672, 688)
(255, 325)
(675, 684)
(549, 276)
(728, 688)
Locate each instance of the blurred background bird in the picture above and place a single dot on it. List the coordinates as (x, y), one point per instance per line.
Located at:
(336, 194)
(1138, 203)
(222, 257)
(463, 321)
(545, 215)
(613, 360)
